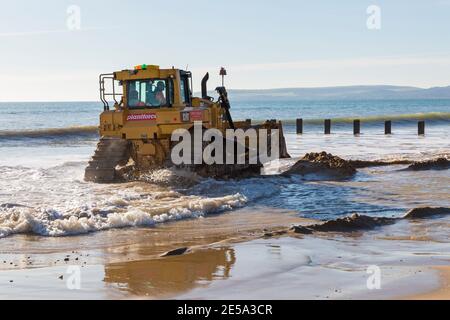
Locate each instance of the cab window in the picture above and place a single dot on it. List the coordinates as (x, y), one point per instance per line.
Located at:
(150, 93)
(185, 91)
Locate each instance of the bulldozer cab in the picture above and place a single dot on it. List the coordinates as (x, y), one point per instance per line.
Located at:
(150, 103)
(147, 87)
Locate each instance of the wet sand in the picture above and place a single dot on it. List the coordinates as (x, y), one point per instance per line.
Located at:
(121, 259)
(234, 256)
(443, 292)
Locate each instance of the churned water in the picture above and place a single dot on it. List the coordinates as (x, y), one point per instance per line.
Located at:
(45, 147)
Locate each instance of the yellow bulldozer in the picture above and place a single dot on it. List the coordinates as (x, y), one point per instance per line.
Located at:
(152, 103)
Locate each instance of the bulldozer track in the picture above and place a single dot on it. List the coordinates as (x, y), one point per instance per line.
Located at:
(110, 152)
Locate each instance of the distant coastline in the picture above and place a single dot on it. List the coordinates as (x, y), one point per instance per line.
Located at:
(373, 92)
(337, 93)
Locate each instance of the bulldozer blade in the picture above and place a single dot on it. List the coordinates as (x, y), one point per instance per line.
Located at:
(283, 147)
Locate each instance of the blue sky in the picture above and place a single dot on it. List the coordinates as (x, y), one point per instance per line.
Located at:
(263, 44)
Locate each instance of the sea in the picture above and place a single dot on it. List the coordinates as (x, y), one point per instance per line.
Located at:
(45, 146)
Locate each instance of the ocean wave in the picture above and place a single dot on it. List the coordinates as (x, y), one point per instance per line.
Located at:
(56, 202)
(115, 213)
(90, 130)
(49, 132)
(430, 116)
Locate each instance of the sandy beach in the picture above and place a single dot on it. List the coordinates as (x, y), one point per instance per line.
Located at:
(245, 254)
(441, 293)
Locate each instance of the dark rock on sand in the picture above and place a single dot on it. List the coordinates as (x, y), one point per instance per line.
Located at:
(376, 163)
(175, 252)
(269, 234)
(301, 230)
(324, 164)
(355, 222)
(425, 212)
(435, 164)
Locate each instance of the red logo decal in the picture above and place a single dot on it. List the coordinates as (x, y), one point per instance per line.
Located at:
(196, 115)
(141, 117)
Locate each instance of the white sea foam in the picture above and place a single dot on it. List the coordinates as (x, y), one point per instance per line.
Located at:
(57, 202)
(113, 213)
(172, 176)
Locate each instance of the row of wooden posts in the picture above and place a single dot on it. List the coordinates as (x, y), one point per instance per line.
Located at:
(357, 126)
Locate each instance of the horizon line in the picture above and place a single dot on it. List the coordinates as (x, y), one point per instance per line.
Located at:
(267, 89)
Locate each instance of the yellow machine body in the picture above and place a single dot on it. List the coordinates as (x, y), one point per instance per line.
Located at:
(147, 125)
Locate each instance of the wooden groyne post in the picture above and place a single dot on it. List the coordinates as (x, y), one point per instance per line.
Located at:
(388, 127)
(421, 128)
(327, 124)
(356, 126)
(299, 124)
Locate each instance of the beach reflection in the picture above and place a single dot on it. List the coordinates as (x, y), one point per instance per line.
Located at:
(158, 278)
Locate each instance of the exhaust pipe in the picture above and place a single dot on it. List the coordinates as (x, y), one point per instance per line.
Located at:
(204, 88)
